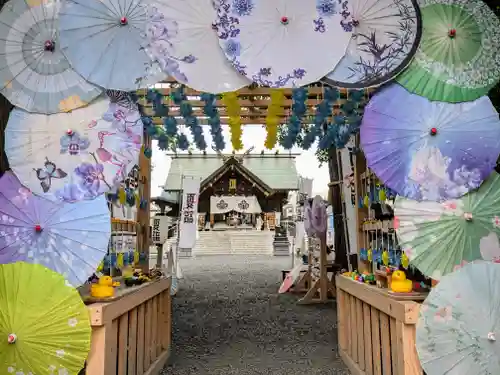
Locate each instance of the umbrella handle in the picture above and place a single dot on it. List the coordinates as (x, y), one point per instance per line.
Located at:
(12, 338)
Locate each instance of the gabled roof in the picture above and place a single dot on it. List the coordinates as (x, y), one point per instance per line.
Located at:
(233, 162)
(278, 172)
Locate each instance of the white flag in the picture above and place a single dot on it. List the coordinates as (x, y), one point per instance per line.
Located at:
(189, 218)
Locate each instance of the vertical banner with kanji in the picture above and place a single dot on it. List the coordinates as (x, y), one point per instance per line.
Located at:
(189, 223)
(159, 229)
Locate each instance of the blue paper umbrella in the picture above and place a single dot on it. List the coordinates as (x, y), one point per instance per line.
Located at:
(34, 74)
(429, 150)
(105, 42)
(70, 239)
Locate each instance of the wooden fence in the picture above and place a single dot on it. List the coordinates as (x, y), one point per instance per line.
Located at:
(132, 335)
(376, 333)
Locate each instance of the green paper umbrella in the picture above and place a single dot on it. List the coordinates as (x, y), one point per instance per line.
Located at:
(458, 59)
(44, 325)
(440, 237)
(458, 331)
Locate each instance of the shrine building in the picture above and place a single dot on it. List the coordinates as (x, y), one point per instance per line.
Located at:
(237, 191)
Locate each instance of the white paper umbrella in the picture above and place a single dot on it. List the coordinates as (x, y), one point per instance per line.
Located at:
(78, 155)
(284, 43)
(105, 41)
(194, 56)
(386, 35)
(458, 330)
(34, 74)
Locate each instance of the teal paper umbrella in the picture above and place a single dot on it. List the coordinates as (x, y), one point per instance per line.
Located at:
(458, 332)
(439, 237)
(458, 59)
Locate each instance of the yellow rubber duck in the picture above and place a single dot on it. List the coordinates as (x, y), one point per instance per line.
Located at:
(104, 288)
(399, 283)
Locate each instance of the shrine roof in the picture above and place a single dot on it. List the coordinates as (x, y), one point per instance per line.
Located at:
(279, 171)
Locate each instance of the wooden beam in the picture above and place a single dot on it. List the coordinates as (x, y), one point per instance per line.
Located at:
(247, 91)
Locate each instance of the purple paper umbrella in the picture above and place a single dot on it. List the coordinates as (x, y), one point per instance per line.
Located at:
(429, 150)
(71, 239)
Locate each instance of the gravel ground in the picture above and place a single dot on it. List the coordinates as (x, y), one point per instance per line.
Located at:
(229, 319)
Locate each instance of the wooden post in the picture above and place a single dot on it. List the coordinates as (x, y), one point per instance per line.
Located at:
(143, 214)
(5, 108)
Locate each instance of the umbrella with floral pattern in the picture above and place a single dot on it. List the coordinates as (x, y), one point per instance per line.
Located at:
(458, 331)
(457, 59)
(44, 325)
(439, 237)
(78, 155)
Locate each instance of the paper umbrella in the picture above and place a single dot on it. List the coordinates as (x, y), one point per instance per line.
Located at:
(34, 74)
(458, 59)
(105, 42)
(440, 237)
(78, 155)
(71, 239)
(44, 324)
(191, 29)
(458, 330)
(386, 34)
(429, 150)
(283, 43)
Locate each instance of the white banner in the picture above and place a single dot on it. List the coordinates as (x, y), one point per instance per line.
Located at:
(225, 204)
(349, 193)
(330, 229)
(159, 229)
(189, 217)
(306, 186)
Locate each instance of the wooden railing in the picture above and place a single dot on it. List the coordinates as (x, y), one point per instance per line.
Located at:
(131, 336)
(376, 333)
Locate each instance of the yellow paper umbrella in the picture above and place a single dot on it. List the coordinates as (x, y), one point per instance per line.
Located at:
(44, 325)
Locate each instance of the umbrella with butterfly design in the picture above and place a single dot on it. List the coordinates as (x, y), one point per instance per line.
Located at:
(78, 155)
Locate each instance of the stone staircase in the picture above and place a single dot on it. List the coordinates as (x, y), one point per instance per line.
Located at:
(234, 242)
(230, 242)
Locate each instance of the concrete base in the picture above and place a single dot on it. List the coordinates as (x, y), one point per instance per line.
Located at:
(185, 253)
(281, 248)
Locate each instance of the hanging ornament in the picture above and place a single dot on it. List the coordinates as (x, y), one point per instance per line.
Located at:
(148, 152)
(210, 110)
(233, 110)
(299, 110)
(274, 112)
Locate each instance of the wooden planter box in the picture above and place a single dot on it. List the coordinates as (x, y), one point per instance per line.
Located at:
(376, 333)
(131, 335)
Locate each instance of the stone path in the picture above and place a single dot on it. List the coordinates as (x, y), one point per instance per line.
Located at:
(229, 320)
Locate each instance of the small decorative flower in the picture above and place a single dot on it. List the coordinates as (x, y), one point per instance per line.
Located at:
(396, 223)
(60, 353)
(326, 8)
(243, 7)
(91, 177)
(232, 48)
(458, 266)
(444, 314)
(496, 222)
(73, 143)
(73, 322)
(117, 116)
(299, 73)
(189, 59)
(70, 193)
(265, 72)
